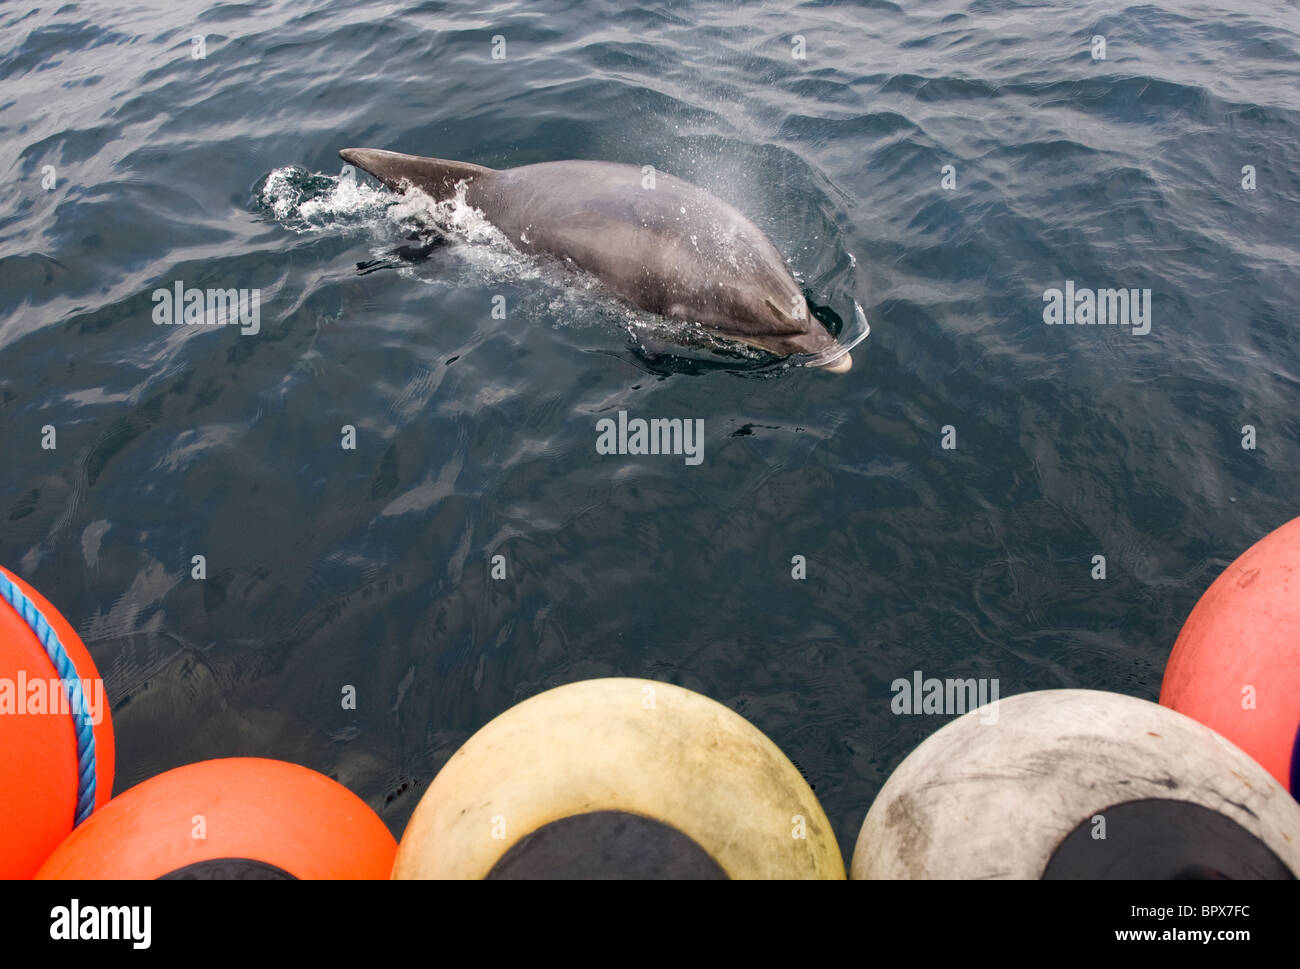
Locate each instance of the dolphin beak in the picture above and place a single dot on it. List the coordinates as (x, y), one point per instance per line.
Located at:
(841, 364)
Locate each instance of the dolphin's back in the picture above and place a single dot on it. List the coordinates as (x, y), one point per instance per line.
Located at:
(670, 244)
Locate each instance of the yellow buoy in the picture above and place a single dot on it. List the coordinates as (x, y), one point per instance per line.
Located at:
(619, 778)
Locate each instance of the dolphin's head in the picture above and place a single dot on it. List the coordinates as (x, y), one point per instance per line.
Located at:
(793, 330)
(777, 320)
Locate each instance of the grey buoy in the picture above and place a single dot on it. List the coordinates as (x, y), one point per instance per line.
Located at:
(1079, 784)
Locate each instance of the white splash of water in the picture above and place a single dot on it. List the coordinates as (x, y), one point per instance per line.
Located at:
(315, 203)
(304, 203)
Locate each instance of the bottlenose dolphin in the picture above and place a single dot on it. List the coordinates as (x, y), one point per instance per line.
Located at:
(672, 249)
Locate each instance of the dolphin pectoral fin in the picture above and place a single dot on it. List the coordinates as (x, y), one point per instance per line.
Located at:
(437, 177)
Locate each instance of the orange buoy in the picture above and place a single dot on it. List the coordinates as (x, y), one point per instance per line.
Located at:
(1236, 664)
(56, 734)
(238, 817)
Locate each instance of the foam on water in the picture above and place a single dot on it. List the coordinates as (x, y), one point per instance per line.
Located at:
(305, 202)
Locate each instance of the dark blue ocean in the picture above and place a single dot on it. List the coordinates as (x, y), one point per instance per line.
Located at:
(154, 142)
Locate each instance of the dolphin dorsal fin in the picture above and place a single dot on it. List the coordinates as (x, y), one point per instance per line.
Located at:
(437, 177)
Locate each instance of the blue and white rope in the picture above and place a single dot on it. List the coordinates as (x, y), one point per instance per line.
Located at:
(67, 670)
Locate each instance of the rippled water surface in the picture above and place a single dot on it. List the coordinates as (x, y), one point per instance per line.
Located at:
(475, 436)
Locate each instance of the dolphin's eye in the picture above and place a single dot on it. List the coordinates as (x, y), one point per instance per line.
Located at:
(774, 308)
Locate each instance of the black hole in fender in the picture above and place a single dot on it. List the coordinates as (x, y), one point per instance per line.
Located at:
(1163, 839)
(229, 869)
(606, 845)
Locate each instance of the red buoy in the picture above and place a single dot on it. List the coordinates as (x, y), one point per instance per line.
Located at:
(42, 783)
(1236, 664)
(238, 817)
